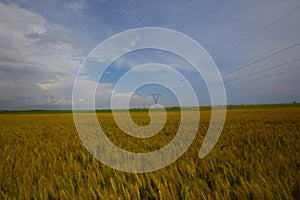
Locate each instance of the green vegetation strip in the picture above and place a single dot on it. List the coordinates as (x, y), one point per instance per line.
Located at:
(169, 109)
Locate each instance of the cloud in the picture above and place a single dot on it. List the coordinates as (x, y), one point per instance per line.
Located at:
(42, 44)
(120, 100)
(56, 100)
(76, 5)
(45, 86)
(37, 59)
(85, 96)
(128, 11)
(111, 49)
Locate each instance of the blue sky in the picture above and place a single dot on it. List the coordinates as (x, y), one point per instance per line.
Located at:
(43, 43)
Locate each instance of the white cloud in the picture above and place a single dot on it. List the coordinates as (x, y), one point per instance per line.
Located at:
(85, 94)
(38, 59)
(129, 11)
(120, 100)
(76, 5)
(102, 1)
(113, 48)
(45, 86)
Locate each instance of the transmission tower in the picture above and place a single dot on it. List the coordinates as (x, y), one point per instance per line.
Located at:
(155, 97)
(144, 105)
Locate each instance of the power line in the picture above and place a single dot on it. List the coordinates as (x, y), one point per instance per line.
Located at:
(258, 32)
(249, 75)
(277, 74)
(260, 59)
(263, 70)
(261, 30)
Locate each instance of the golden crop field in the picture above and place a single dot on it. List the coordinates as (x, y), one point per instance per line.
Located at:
(256, 157)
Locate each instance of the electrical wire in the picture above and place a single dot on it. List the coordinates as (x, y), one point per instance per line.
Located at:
(260, 59)
(263, 70)
(263, 29)
(249, 75)
(269, 76)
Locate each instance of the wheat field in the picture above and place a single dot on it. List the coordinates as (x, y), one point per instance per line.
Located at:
(256, 157)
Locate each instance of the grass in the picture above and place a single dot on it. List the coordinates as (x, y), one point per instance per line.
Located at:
(202, 108)
(256, 157)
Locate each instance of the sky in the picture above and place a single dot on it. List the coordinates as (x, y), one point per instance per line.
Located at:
(254, 44)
